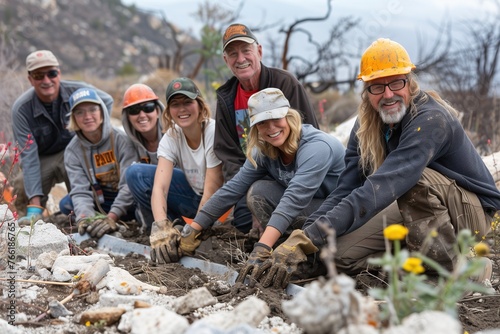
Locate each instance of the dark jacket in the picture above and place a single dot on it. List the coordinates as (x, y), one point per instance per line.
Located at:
(432, 138)
(226, 143)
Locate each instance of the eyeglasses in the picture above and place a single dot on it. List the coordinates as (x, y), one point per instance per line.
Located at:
(80, 112)
(51, 74)
(395, 85)
(147, 107)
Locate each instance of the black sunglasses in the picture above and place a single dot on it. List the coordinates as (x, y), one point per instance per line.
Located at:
(147, 107)
(51, 74)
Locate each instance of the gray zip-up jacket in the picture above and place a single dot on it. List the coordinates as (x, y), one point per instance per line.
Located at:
(432, 138)
(312, 174)
(226, 143)
(107, 165)
(49, 133)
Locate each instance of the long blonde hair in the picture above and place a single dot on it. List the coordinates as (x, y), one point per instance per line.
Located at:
(290, 146)
(371, 143)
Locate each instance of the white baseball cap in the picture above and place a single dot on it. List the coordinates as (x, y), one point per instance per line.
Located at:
(269, 103)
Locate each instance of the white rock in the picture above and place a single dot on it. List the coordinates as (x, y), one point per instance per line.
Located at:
(109, 299)
(5, 328)
(29, 295)
(434, 322)
(123, 282)
(61, 275)
(157, 319)
(328, 306)
(45, 237)
(44, 274)
(46, 260)
(251, 312)
(194, 299)
(76, 264)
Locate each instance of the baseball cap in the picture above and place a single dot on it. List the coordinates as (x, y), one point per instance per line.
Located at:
(40, 58)
(269, 103)
(184, 86)
(237, 32)
(83, 95)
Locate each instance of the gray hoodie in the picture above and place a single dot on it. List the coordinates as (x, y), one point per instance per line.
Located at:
(108, 160)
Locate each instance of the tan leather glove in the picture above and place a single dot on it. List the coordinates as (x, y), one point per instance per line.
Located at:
(96, 226)
(286, 258)
(190, 240)
(256, 264)
(164, 241)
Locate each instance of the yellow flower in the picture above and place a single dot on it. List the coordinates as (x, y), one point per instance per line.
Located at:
(481, 249)
(395, 232)
(413, 265)
(88, 324)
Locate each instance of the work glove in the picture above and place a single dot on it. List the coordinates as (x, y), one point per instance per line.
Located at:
(190, 240)
(97, 226)
(164, 240)
(256, 264)
(286, 258)
(33, 214)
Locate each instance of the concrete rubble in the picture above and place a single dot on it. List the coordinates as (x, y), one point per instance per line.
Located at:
(136, 307)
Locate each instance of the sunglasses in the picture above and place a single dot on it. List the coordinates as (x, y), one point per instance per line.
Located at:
(147, 107)
(51, 74)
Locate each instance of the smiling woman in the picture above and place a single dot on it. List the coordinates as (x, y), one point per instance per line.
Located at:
(188, 171)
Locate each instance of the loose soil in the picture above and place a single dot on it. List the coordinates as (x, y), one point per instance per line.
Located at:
(229, 247)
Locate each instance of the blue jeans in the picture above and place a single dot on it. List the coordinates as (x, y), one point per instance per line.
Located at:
(181, 199)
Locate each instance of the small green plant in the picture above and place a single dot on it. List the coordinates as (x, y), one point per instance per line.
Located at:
(410, 291)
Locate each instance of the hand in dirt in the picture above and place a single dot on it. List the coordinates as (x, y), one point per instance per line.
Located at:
(190, 240)
(164, 240)
(97, 227)
(286, 258)
(256, 264)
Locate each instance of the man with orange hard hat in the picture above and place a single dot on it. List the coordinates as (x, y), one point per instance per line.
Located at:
(406, 148)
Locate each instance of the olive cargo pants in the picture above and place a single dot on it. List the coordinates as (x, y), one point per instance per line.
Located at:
(435, 203)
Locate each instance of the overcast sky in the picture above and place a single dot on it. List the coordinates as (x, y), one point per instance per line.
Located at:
(401, 20)
(411, 23)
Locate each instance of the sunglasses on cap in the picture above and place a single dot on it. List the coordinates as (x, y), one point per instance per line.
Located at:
(51, 74)
(147, 107)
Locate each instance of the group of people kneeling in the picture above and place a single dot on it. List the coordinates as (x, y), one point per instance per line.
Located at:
(408, 161)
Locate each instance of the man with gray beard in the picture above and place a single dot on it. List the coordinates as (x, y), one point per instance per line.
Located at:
(407, 150)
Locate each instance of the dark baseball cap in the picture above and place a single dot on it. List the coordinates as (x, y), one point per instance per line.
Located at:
(184, 86)
(237, 32)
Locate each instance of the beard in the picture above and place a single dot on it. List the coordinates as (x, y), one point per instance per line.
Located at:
(392, 118)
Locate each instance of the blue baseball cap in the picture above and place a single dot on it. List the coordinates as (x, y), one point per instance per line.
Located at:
(83, 95)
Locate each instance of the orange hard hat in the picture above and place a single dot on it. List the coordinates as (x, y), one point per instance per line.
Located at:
(138, 93)
(384, 58)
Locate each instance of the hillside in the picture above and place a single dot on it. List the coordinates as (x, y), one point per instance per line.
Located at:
(101, 37)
